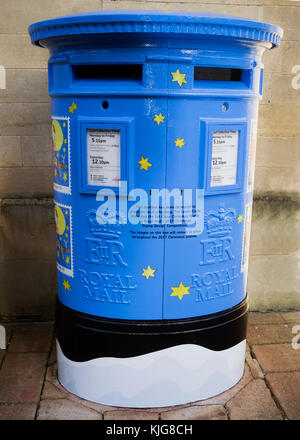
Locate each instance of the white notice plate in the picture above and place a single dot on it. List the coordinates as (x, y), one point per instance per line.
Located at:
(224, 158)
(103, 157)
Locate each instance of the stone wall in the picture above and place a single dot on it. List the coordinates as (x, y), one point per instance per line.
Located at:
(27, 245)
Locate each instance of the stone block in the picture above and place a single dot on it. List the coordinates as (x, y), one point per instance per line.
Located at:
(26, 182)
(10, 152)
(279, 120)
(28, 228)
(30, 288)
(36, 151)
(277, 180)
(273, 282)
(25, 85)
(18, 53)
(278, 152)
(17, 119)
(17, 19)
(270, 215)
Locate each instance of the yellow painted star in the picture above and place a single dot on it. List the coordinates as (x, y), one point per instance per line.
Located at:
(67, 259)
(144, 164)
(66, 285)
(55, 172)
(73, 107)
(64, 124)
(179, 77)
(180, 291)
(65, 141)
(159, 118)
(179, 143)
(65, 176)
(148, 272)
(240, 218)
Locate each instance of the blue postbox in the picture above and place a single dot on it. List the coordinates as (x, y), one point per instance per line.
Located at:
(154, 120)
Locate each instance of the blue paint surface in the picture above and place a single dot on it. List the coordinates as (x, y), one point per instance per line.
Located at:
(127, 271)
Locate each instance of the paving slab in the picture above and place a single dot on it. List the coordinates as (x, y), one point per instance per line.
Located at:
(50, 391)
(130, 414)
(254, 366)
(31, 338)
(269, 333)
(291, 317)
(277, 357)
(64, 409)
(265, 318)
(17, 411)
(21, 377)
(253, 402)
(286, 388)
(207, 412)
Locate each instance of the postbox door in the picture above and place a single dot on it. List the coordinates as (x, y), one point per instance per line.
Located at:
(203, 272)
(117, 269)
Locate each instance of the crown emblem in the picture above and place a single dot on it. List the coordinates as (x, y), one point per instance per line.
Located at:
(219, 223)
(105, 225)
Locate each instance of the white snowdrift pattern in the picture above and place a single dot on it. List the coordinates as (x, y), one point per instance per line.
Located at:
(172, 376)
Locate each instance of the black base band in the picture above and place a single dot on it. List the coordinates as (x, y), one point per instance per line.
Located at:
(84, 337)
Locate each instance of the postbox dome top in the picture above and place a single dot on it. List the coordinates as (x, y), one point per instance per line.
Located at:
(155, 22)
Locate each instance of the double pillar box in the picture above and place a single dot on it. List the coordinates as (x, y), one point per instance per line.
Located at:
(154, 121)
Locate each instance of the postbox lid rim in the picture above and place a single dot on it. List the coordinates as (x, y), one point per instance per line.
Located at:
(177, 22)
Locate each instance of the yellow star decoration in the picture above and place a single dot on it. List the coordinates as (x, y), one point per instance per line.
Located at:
(55, 172)
(179, 77)
(159, 119)
(240, 218)
(67, 259)
(180, 291)
(148, 272)
(179, 143)
(66, 285)
(65, 141)
(65, 176)
(73, 107)
(64, 124)
(144, 164)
